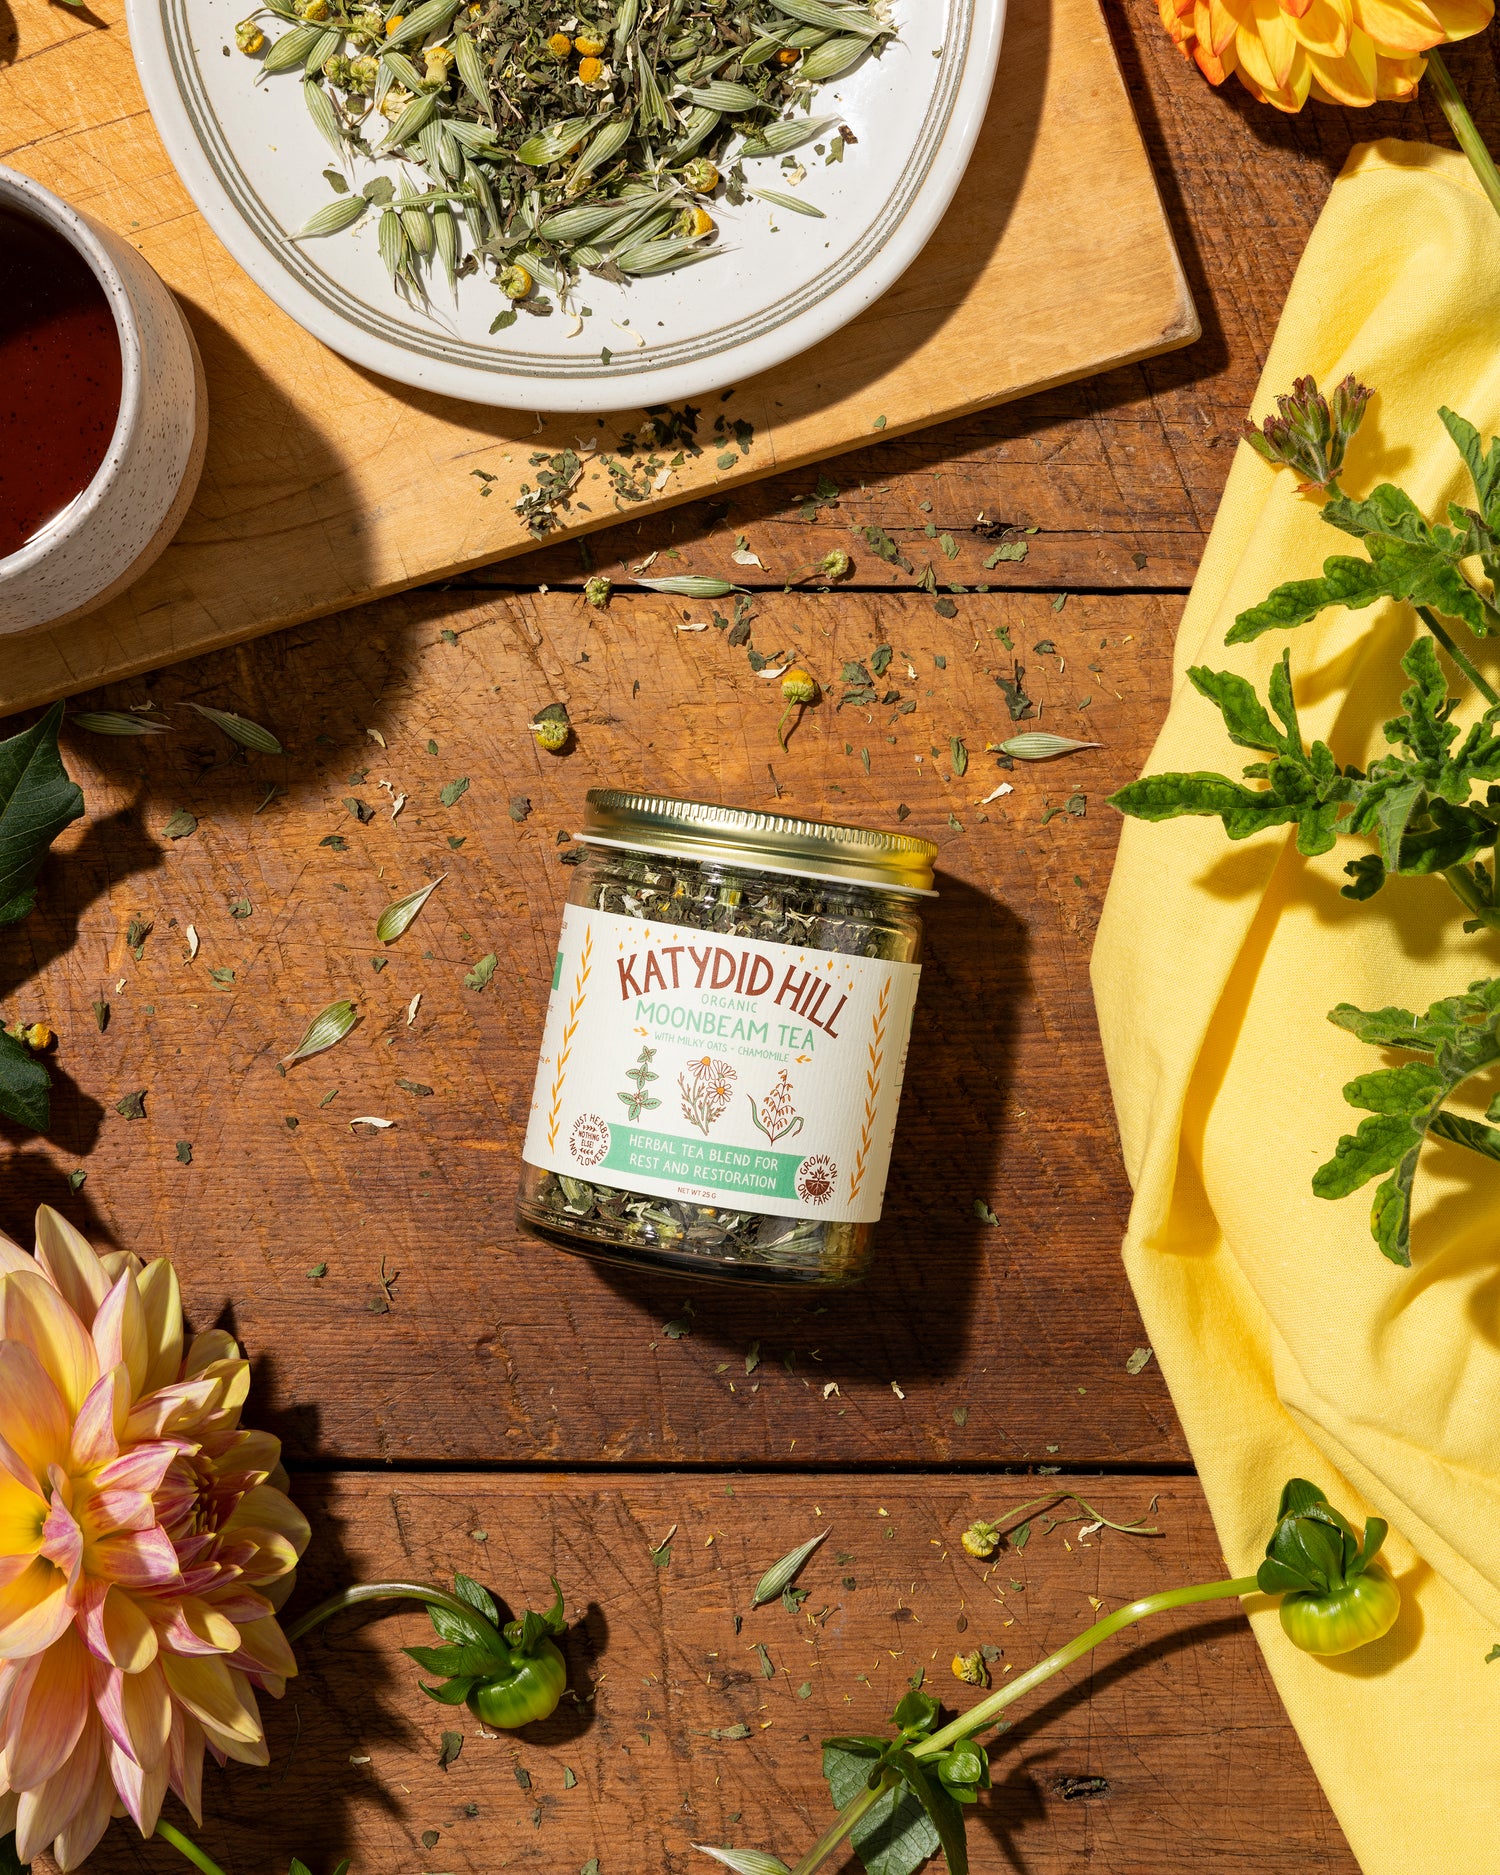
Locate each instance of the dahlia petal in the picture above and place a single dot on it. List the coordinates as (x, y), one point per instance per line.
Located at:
(225, 1745)
(138, 1558)
(1461, 19)
(266, 1508)
(256, 1455)
(31, 1409)
(79, 1836)
(169, 1408)
(1404, 26)
(46, 1811)
(1351, 79)
(120, 1332)
(127, 1631)
(34, 1314)
(1323, 29)
(242, 1605)
(1396, 80)
(161, 1299)
(278, 1593)
(178, 1636)
(209, 1624)
(22, 1514)
(8, 1802)
(273, 1556)
(70, 1264)
(219, 1699)
(205, 1350)
(185, 1761)
(142, 1468)
(13, 1257)
(34, 1609)
(42, 1728)
(266, 1649)
(1275, 46)
(148, 1713)
(62, 1539)
(101, 1418)
(141, 1788)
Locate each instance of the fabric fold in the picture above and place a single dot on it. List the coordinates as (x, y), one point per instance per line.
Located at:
(1290, 1345)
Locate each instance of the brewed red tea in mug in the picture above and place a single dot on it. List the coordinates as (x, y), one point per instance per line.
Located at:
(59, 377)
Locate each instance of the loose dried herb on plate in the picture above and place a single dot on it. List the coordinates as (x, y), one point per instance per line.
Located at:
(558, 143)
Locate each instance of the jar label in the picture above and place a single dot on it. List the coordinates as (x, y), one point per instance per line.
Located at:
(720, 1070)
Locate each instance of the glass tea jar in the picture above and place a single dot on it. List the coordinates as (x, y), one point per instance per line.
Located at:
(725, 1040)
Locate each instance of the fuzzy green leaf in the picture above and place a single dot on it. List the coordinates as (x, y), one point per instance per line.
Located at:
(1244, 714)
(895, 1836)
(1380, 1144)
(1390, 1214)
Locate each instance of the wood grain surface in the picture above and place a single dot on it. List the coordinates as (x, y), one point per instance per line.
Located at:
(1167, 1750)
(325, 485)
(1027, 1324)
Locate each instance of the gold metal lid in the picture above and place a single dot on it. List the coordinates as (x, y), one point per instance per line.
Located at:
(739, 836)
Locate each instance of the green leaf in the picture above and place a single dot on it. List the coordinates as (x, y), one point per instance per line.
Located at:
(895, 1836)
(466, 1662)
(453, 1744)
(181, 825)
(916, 1713)
(37, 800)
(1390, 1215)
(1483, 465)
(452, 791)
(947, 1818)
(241, 730)
(1380, 1144)
(328, 1026)
(478, 1597)
(782, 1573)
(397, 917)
(1409, 1090)
(1474, 1134)
(1383, 1028)
(745, 1861)
(1244, 714)
(462, 1629)
(480, 975)
(451, 1692)
(25, 1089)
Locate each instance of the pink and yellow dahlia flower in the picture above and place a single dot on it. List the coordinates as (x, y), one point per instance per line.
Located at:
(145, 1545)
(1337, 51)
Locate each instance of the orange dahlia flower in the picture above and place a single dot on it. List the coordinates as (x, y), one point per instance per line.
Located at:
(145, 1545)
(1338, 51)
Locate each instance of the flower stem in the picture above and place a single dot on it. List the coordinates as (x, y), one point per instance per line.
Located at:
(1463, 126)
(382, 1592)
(186, 1846)
(1445, 639)
(988, 1710)
(842, 1824)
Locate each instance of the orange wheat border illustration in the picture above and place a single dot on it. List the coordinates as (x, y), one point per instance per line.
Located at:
(570, 1029)
(872, 1089)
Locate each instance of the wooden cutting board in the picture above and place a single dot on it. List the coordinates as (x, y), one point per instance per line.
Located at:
(325, 485)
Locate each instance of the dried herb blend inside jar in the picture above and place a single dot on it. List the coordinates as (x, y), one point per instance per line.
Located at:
(725, 1040)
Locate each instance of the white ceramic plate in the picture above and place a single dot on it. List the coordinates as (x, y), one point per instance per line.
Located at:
(252, 159)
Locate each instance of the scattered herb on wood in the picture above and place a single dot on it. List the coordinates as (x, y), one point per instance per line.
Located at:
(397, 918)
(328, 1026)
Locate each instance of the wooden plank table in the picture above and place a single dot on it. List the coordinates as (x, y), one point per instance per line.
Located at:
(503, 1411)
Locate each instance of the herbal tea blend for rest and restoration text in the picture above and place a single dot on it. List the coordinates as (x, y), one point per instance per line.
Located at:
(548, 143)
(725, 1041)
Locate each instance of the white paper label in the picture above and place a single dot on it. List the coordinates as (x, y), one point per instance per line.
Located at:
(720, 1070)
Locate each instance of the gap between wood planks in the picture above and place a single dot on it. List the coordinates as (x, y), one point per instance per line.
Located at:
(750, 1468)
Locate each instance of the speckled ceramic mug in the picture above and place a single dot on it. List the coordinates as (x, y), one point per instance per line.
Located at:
(127, 514)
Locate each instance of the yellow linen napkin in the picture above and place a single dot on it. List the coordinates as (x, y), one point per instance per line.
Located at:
(1290, 1344)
